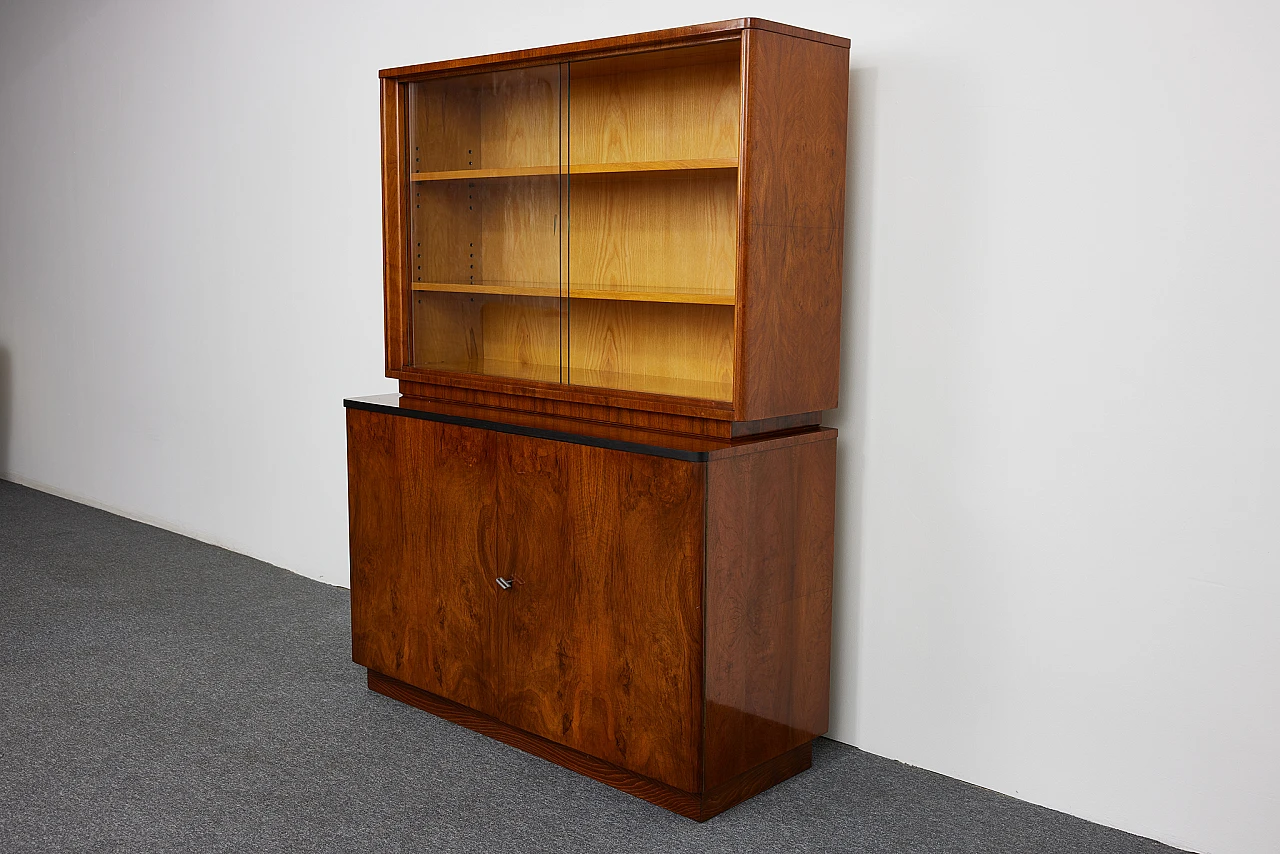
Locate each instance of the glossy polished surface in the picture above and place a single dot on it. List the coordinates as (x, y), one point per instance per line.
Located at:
(597, 643)
(649, 222)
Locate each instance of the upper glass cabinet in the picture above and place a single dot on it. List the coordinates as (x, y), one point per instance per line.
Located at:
(578, 223)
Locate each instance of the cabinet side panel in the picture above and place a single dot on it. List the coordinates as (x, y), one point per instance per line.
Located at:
(793, 165)
(770, 554)
(604, 622)
(423, 608)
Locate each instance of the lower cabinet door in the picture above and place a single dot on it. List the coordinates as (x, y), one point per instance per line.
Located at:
(424, 605)
(601, 631)
(554, 586)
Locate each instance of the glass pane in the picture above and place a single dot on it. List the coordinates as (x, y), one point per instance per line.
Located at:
(485, 223)
(653, 220)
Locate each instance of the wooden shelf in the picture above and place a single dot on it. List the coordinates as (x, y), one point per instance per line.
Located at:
(652, 167)
(539, 289)
(677, 296)
(718, 164)
(512, 289)
(501, 172)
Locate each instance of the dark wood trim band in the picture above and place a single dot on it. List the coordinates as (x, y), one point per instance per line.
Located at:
(566, 392)
(688, 804)
(383, 404)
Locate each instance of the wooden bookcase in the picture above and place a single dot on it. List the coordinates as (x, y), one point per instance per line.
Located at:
(597, 520)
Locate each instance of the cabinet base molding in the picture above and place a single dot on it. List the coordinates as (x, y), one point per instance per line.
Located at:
(698, 807)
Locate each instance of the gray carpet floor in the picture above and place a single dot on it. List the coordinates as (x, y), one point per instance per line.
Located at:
(160, 694)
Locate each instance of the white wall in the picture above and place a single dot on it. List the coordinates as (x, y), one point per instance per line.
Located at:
(1057, 574)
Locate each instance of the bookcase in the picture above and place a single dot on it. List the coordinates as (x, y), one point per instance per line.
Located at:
(597, 521)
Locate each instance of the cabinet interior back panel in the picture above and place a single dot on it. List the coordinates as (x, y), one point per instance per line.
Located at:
(490, 230)
(685, 350)
(503, 336)
(653, 106)
(642, 233)
(486, 121)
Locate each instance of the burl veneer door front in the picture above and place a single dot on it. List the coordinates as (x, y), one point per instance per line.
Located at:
(424, 605)
(593, 636)
(602, 629)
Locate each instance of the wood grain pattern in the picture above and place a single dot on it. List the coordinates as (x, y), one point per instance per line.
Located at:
(665, 109)
(470, 232)
(598, 645)
(742, 429)
(583, 405)
(792, 230)
(444, 124)
(496, 172)
(688, 804)
(543, 289)
(773, 240)
(480, 334)
(668, 797)
(770, 556)
(532, 393)
(604, 626)
(653, 234)
(423, 605)
(519, 230)
(669, 168)
(560, 424)
(497, 120)
(767, 435)
(446, 235)
(655, 347)
(698, 33)
(520, 117)
(548, 290)
(675, 167)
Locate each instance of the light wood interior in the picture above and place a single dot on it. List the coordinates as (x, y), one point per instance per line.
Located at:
(684, 350)
(678, 104)
(484, 334)
(675, 167)
(546, 290)
(649, 190)
(486, 218)
(498, 120)
(667, 236)
(501, 233)
(644, 235)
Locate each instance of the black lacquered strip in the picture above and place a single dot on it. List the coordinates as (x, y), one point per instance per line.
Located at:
(371, 405)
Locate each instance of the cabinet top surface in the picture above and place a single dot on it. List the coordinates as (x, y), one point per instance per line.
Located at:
(635, 41)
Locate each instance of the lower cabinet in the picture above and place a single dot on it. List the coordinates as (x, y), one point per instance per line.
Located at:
(655, 618)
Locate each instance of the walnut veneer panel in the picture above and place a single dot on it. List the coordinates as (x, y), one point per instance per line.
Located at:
(698, 807)
(598, 644)
(770, 554)
(614, 44)
(604, 623)
(423, 558)
(793, 175)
